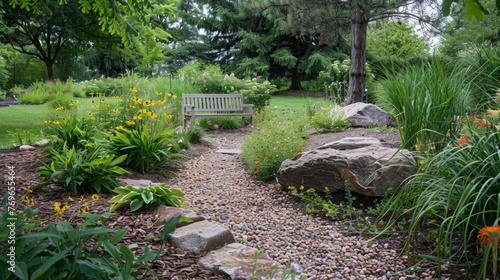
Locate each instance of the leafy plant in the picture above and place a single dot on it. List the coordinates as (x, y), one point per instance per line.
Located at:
(146, 197)
(90, 169)
(145, 151)
(426, 101)
(454, 194)
(71, 131)
(280, 135)
(229, 123)
(62, 251)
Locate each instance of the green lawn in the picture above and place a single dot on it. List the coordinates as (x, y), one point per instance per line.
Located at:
(30, 118)
(295, 104)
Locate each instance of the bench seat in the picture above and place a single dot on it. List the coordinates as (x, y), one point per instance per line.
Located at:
(214, 106)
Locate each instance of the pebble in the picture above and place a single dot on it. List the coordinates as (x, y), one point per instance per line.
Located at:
(221, 189)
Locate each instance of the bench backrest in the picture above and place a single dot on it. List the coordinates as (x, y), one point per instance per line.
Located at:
(214, 102)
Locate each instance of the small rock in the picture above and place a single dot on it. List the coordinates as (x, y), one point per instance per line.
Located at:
(26, 148)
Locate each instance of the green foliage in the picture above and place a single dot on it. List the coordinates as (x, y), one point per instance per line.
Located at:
(396, 40)
(42, 92)
(145, 150)
(194, 134)
(228, 123)
(146, 197)
(485, 64)
(88, 169)
(454, 194)
(102, 87)
(335, 79)
(323, 203)
(473, 8)
(280, 135)
(426, 101)
(71, 132)
(62, 251)
(327, 117)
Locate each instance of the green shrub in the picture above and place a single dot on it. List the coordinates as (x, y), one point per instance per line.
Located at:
(71, 131)
(426, 101)
(229, 123)
(194, 134)
(90, 169)
(146, 197)
(146, 150)
(454, 194)
(279, 136)
(43, 92)
(62, 251)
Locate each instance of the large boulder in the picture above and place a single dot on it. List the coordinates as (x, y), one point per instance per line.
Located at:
(367, 115)
(367, 167)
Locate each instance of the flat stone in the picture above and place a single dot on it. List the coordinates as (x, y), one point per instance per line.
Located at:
(350, 143)
(26, 148)
(42, 143)
(201, 236)
(164, 213)
(229, 151)
(238, 262)
(134, 182)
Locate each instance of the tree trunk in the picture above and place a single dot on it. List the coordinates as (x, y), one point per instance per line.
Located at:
(49, 64)
(295, 80)
(357, 73)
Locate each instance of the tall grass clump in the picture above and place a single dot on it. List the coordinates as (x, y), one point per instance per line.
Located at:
(485, 64)
(426, 101)
(455, 193)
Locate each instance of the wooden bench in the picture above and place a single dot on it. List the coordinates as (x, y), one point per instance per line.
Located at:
(214, 106)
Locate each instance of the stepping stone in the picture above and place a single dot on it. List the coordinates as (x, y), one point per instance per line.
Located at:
(229, 151)
(26, 148)
(201, 237)
(164, 213)
(238, 262)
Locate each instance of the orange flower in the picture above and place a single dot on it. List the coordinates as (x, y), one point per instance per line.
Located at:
(487, 234)
(463, 140)
(255, 173)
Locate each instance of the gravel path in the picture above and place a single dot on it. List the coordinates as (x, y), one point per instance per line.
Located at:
(218, 186)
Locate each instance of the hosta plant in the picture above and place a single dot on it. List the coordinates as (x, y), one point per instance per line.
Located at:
(91, 169)
(145, 197)
(64, 251)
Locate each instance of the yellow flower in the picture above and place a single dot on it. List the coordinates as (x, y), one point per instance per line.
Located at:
(130, 123)
(70, 199)
(95, 197)
(84, 209)
(56, 123)
(47, 121)
(90, 115)
(168, 116)
(83, 199)
(115, 110)
(30, 190)
(133, 89)
(158, 93)
(57, 206)
(162, 101)
(59, 108)
(119, 127)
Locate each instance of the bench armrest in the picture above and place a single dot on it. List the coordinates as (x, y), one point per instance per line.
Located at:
(188, 108)
(248, 106)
